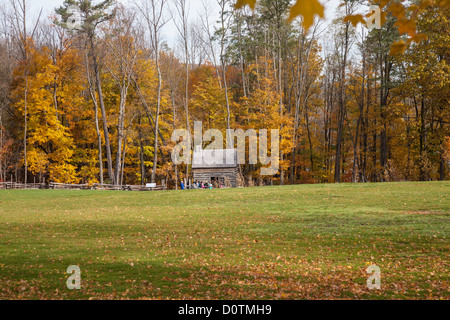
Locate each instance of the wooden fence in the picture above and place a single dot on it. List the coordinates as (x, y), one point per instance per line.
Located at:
(63, 186)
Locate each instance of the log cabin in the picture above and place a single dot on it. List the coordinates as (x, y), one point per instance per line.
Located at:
(218, 165)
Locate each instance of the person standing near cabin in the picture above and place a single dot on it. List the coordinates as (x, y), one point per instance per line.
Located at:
(182, 185)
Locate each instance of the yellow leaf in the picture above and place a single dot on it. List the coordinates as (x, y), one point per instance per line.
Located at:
(306, 8)
(383, 3)
(425, 3)
(242, 3)
(355, 19)
(397, 10)
(444, 3)
(419, 37)
(406, 26)
(398, 47)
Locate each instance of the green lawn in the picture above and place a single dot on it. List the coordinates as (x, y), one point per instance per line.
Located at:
(292, 242)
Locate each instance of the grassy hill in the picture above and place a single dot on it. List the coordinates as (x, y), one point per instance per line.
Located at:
(291, 242)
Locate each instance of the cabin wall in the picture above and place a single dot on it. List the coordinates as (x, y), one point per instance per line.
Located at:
(230, 174)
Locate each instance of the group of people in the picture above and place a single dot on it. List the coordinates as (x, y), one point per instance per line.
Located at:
(202, 185)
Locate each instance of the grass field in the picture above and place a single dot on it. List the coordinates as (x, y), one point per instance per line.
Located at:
(292, 242)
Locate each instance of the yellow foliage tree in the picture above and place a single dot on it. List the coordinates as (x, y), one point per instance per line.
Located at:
(49, 141)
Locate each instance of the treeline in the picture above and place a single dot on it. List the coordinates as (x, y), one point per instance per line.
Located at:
(99, 103)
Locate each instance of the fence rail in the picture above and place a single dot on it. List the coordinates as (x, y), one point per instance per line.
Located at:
(64, 186)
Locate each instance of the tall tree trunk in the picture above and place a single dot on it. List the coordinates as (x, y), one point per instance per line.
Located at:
(174, 128)
(104, 117)
(25, 125)
(97, 128)
(422, 137)
(442, 156)
(186, 94)
(120, 134)
(158, 107)
(341, 113)
(361, 111)
(280, 88)
(309, 138)
(224, 29)
(141, 152)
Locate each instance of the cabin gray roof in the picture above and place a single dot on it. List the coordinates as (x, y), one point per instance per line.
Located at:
(216, 158)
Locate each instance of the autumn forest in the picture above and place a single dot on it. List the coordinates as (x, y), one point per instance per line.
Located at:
(98, 102)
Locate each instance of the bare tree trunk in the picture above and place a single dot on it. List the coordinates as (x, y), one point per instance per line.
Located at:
(209, 43)
(120, 135)
(125, 147)
(361, 111)
(97, 128)
(141, 153)
(280, 88)
(341, 113)
(311, 158)
(99, 143)
(422, 137)
(149, 115)
(152, 11)
(25, 126)
(241, 57)
(174, 128)
(155, 158)
(19, 23)
(183, 30)
(104, 117)
(302, 67)
(224, 29)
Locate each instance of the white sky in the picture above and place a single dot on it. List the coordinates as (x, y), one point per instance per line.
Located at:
(170, 32)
